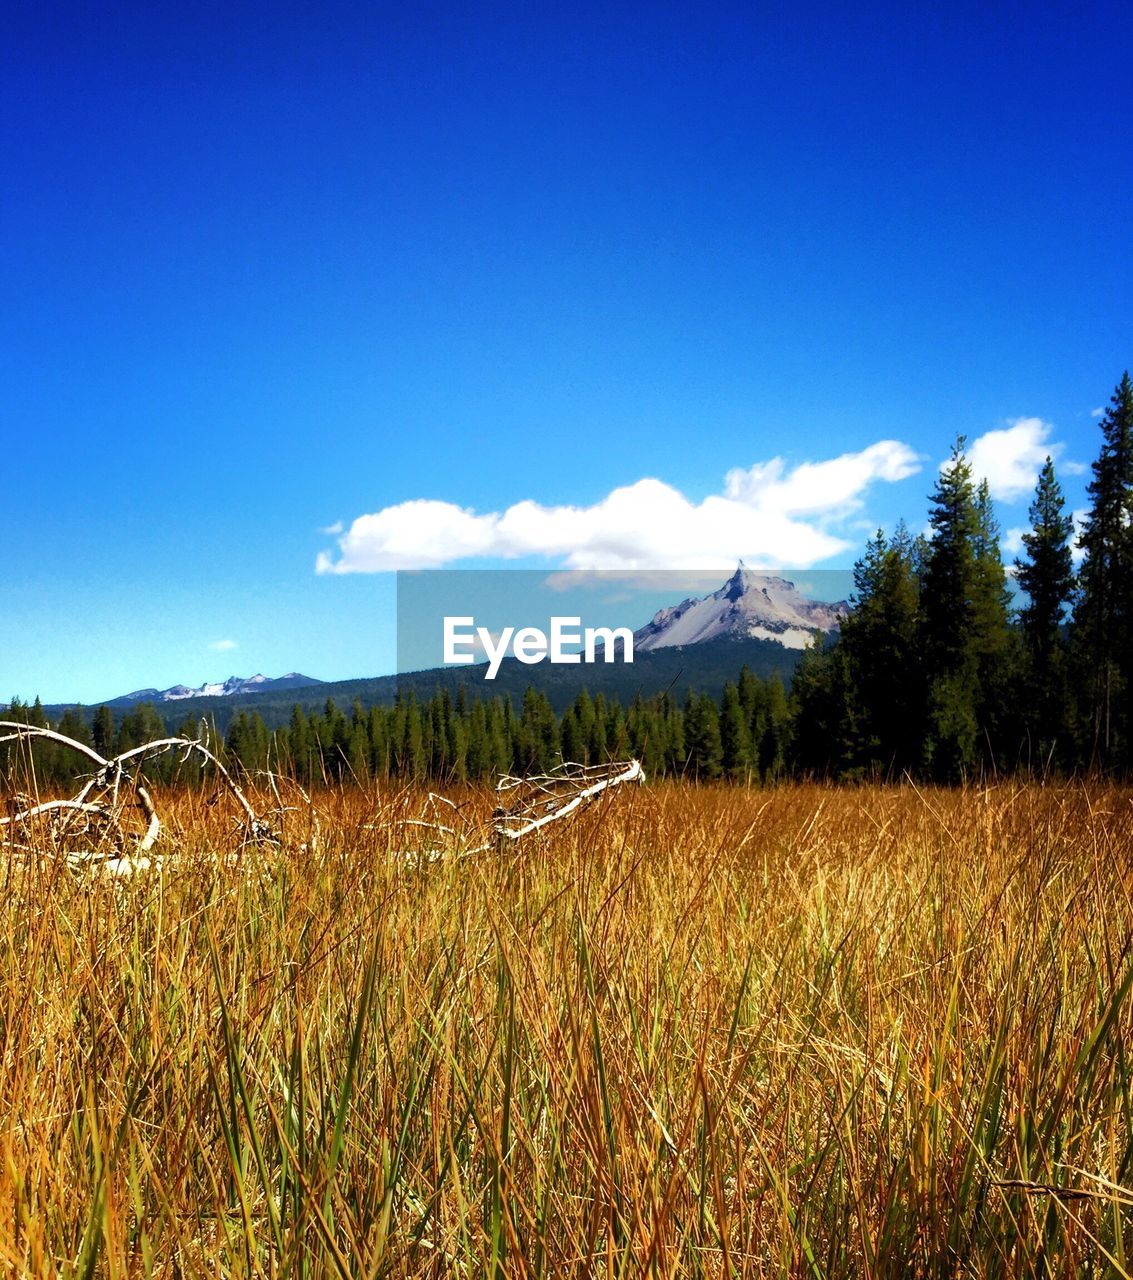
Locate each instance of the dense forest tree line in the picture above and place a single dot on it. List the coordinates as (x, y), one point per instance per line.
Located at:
(450, 738)
(935, 673)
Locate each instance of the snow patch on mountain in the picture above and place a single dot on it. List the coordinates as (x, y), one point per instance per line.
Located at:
(223, 689)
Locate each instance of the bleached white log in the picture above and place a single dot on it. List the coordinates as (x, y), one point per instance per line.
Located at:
(111, 774)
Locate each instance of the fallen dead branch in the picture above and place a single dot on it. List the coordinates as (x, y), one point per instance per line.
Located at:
(90, 829)
(550, 797)
(533, 803)
(102, 835)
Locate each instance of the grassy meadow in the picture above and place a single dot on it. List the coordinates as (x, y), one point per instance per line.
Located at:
(696, 1031)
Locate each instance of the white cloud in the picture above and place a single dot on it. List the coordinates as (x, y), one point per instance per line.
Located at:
(1013, 541)
(830, 488)
(1099, 412)
(1010, 458)
(223, 646)
(332, 530)
(770, 514)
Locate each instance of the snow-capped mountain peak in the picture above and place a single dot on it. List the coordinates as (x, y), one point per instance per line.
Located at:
(750, 605)
(218, 689)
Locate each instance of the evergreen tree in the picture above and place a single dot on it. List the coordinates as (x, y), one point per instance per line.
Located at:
(949, 573)
(571, 737)
(615, 730)
(965, 639)
(379, 742)
(299, 744)
(438, 738)
(702, 737)
(237, 741)
(510, 737)
(538, 735)
(454, 719)
(675, 751)
(102, 731)
(774, 741)
(358, 752)
(596, 745)
(587, 733)
(73, 724)
(734, 740)
(825, 731)
(499, 740)
(750, 691)
(1103, 626)
(994, 642)
(1046, 575)
(335, 737)
(412, 759)
(478, 759)
(880, 637)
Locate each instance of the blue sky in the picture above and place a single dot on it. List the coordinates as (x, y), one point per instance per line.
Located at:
(270, 271)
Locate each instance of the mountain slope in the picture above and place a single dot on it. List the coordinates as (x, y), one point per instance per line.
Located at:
(234, 686)
(752, 606)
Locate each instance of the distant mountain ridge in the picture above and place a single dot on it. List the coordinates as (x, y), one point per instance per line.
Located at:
(704, 667)
(749, 606)
(234, 686)
(756, 619)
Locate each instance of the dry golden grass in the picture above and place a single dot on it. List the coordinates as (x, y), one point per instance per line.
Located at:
(695, 1032)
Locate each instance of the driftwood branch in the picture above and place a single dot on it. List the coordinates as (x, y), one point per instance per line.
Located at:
(535, 802)
(99, 795)
(550, 797)
(527, 804)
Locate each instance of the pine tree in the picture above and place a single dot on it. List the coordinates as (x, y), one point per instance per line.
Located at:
(499, 739)
(750, 690)
(702, 736)
(584, 714)
(965, 640)
(454, 719)
(413, 759)
(880, 638)
(478, 754)
(379, 742)
(358, 752)
(637, 728)
(570, 734)
(1046, 575)
(1103, 626)
(950, 570)
(510, 737)
(734, 740)
(73, 724)
(340, 744)
(675, 751)
(615, 730)
(102, 731)
(775, 740)
(995, 645)
(824, 731)
(237, 741)
(596, 745)
(439, 762)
